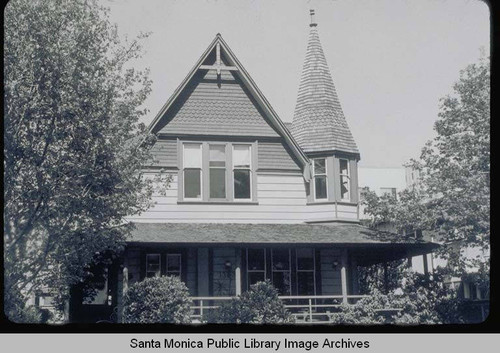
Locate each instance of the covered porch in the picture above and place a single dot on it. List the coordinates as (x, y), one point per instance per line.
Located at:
(313, 267)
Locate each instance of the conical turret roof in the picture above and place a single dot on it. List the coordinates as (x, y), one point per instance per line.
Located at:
(319, 124)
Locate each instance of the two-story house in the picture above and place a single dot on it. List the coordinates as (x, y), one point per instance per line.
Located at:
(251, 197)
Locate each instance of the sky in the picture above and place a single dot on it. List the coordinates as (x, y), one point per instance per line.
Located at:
(391, 60)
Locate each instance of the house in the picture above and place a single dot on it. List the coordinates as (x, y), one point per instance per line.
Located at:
(253, 198)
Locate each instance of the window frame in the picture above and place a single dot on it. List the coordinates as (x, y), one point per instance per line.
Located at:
(184, 170)
(248, 271)
(348, 175)
(225, 168)
(307, 271)
(289, 269)
(325, 174)
(250, 145)
(167, 272)
(159, 265)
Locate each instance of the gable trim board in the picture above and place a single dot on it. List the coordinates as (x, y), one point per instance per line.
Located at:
(248, 83)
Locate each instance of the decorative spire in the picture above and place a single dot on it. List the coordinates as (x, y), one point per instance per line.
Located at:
(313, 24)
(319, 124)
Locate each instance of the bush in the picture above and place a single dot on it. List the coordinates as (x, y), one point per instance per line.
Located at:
(158, 300)
(259, 305)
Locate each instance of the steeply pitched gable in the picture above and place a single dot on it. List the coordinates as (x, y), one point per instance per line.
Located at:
(319, 124)
(218, 97)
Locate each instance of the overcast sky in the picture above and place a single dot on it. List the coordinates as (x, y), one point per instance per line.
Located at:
(391, 60)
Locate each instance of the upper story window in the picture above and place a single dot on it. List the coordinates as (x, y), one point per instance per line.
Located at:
(320, 179)
(217, 166)
(192, 171)
(345, 182)
(242, 170)
(217, 171)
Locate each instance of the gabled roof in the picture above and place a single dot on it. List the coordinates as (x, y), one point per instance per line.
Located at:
(319, 124)
(231, 63)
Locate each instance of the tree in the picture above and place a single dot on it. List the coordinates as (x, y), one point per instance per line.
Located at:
(73, 146)
(452, 198)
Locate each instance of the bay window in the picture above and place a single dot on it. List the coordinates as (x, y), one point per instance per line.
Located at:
(192, 171)
(345, 183)
(320, 179)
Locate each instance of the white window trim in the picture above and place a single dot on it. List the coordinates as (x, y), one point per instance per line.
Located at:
(167, 272)
(289, 269)
(348, 175)
(256, 271)
(314, 179)
(250, 169)
(184, 169)
(159, 269)
(313, 270)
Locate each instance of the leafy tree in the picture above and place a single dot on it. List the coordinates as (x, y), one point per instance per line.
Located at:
(73, 146)
(158, 300)
(452, 197)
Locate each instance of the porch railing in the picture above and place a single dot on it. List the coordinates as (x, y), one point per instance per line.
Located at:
(306, 309)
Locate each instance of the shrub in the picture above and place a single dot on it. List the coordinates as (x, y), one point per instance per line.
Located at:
(259, 305)
(158, 300)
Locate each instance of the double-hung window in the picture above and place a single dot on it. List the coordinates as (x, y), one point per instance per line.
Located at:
(153, 262)
(345, 182)
(281, 274)
(173, 265)
(192, 171)
(306, 277)
(320, 179)
(256, 266)
(242, 175)
(217, 166)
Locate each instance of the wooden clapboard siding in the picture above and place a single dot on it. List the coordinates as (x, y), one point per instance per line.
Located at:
(212, 106)
(330, 276)
(275, 155)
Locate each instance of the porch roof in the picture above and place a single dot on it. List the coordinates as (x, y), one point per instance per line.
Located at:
(269, 234)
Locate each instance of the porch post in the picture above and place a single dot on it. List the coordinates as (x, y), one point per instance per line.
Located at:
(203, 272)
(343, 275)
(426, 265)
(124, 288)
(237, 272)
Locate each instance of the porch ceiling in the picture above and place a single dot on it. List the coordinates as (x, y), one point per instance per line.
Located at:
(339, 234)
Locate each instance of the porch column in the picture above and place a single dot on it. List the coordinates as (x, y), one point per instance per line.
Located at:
(237, 272)
(124, 288)
(426, 265)
(203, 272)
(343, 275)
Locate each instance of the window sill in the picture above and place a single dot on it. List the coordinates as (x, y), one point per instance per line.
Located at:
(347, 203)
(217, 202)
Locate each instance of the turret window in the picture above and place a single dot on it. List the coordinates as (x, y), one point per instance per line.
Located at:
(345, 182)
(320, 179)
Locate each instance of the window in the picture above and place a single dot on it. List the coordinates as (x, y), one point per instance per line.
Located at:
(217, 166)
(192, 171)
(345, 186)
(256, 266)
(173, 265)
(306, 277)
(320, 180)
(242, 171)
(281, 275)
(388, 191)
(153, 265)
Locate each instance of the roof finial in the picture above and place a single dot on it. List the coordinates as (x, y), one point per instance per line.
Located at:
(313, 24)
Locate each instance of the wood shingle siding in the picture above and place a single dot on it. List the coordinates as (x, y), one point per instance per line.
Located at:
(164, 153)
(274, 155)
(210, 106)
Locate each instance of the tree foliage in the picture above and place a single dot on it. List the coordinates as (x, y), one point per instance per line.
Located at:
(158, 300)
(452, 196)
(72, 142)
